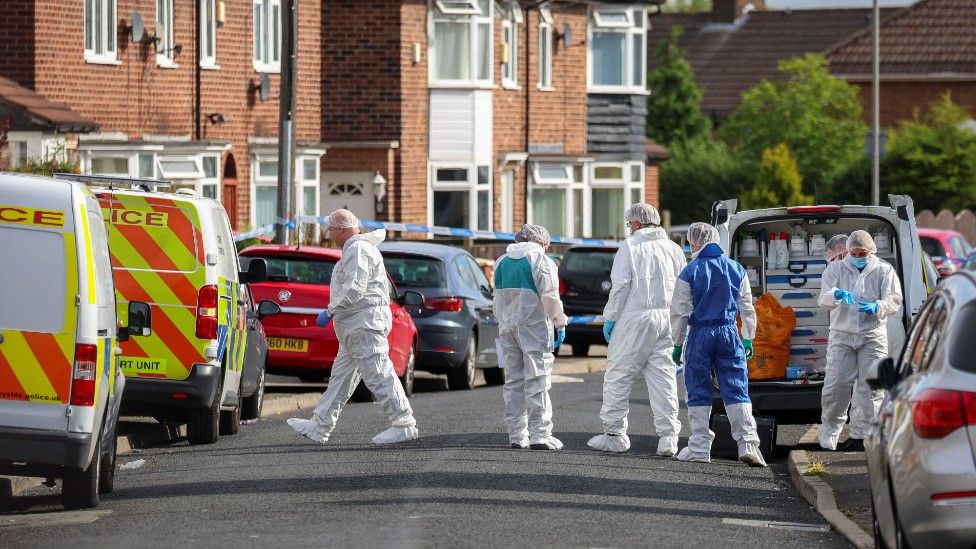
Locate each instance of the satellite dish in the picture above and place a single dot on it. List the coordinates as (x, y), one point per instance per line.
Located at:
(138, 28)
(567, 35)
(265, 86)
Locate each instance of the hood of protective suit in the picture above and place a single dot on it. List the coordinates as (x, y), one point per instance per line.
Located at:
(523, 249)
(373, 237)
(649, 233)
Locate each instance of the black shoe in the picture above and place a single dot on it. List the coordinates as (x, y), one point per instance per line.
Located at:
(518, 446)
(539, 446)
(851, 445)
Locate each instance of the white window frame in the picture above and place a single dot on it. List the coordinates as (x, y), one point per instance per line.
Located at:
(632, 60)
(625, 182)
(471, 186)
(100, 39)
(171, 174)
(258, 180)
(206, 181)
(458, 7)
(570, 187)
(544, 65)
(599, 14)
(164, 44)
(265, 60)
(208, 38)
(541, 180)
(474, 19)
(510, 37)
(306, 183)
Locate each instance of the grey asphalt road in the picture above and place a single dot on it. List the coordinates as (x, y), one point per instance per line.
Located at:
(459, 485)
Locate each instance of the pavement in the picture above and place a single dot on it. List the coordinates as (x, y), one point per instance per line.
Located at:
(458, 485)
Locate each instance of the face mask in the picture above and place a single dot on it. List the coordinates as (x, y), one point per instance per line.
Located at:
(859, 262)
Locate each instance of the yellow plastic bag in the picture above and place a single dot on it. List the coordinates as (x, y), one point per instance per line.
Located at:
(774, 326)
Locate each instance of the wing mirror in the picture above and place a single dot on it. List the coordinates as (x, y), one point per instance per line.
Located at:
(412, 299)
(267, 308)
(884, 374)
(138, 321)
(257, 271)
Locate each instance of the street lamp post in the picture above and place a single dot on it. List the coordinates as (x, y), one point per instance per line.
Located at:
(875, 108)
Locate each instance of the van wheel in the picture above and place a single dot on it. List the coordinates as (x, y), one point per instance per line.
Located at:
(107, 480)
(462, 377)
(79, 488)
(230, 420)
(362, 393)
(494, 376)
(254, 403)
(580, 349)
(203, 424)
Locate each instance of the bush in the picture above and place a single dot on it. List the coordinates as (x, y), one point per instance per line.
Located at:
(778, 182)
(698, 173)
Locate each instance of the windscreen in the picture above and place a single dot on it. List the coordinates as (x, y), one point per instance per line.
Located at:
(589, 261)
(32, 280)
(418, 272)
(933, 247)
(303, 270)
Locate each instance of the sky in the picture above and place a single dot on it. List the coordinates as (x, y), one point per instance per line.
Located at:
(811, 4)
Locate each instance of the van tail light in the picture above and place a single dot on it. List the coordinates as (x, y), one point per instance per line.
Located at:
(562, 286)
(938, 412)
(449, 304)
(83, 378)
(207, 312)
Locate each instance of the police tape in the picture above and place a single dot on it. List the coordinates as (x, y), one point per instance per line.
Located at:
(595, 320)
(410, 228)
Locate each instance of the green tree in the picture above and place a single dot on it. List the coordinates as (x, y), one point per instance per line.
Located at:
(698, 173)
(778, 181)
(687, 6)
(933, 159)
(817, 116)
(674, 105)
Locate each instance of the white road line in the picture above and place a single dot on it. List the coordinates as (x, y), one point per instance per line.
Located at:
(556, 378)
(777, 525)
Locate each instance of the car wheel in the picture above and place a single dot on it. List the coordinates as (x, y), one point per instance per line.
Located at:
(230, 420)
(362, 393)
(494, 376)
(106, 482)
(408, 373)
(462, 378)
(79, 488)
(580, 349)
(254, 403)
(876, 527)
(203, 424)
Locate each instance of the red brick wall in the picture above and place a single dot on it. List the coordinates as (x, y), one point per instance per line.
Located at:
(900, 100)
(409, 193)
(652, 184)
(17, 46)
(139, 98)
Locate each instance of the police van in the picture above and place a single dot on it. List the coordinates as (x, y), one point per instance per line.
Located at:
(60, 382)
(175, 252)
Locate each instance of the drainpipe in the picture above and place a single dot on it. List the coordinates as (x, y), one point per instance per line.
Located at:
(528, 80)
(197, 133)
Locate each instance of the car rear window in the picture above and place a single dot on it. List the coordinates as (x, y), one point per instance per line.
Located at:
(418, 272)
(295, 269)
(932, 247)
(33, 280)
(589, 261)
(963, 345)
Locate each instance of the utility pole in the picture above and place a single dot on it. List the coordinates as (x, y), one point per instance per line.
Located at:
(286, 119)
(875, 107)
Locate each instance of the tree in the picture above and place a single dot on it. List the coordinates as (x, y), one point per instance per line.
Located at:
(687, 6)
(674, 105)
(778, 182)
(698, 173)
(933, 159)
(817, 116)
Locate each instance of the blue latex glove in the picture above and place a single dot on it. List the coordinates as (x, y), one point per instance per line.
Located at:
(867, 308)
(843, 296)
(560, 337)
(750, 351)
(676, 355)
(322, 319)
(608, 329)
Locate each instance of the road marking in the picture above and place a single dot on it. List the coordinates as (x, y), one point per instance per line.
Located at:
(556, 378)
(57, 518)
(777, 525)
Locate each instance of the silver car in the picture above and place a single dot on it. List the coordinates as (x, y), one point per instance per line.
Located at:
(921, 451)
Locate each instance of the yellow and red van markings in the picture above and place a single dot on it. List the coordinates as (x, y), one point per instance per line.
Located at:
(40, 364)
(135, 245)
(37, 217)
(89, 258)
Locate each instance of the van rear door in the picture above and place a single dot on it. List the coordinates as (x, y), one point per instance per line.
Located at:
(909, 249)
(38, 311)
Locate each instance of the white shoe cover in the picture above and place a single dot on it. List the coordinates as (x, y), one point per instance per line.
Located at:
(687, 455)
(396, 434)
(309, 429)
(828, 443)
(610, 443)
(548, 443)
(749, 454)
(667, 446)
(520, 441)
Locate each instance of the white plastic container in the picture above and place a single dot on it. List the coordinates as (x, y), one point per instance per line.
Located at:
(796, 298)
(793, 282)
(798, 246)
(749, 247)
(771, 252)
(811, 316)
(813, 358)
(800, 267)
(753, 275)
(805, 336)
(818, 245)
(882, 241)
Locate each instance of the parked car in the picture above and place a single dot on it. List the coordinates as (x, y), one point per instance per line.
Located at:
(949, 249)
(298, 282)
(930, 273)
(456, 322)
(255, 355)
(584, 286)
(921, 450)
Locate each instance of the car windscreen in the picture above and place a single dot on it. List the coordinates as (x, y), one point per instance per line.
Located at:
(963, 345)
(589, 261)
(415, 271)
(932, 247)
(304, 270)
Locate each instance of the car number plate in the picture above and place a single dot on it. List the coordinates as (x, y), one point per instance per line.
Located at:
(287, 345)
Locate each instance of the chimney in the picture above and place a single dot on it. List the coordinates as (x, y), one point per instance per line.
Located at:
(727, 11)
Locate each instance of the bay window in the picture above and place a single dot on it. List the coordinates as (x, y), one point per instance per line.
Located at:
(265, 177)
(100, 30)
(461, 196)
(617, 50)
(615, 186)
(195, 169)
(557, 200)
(461, 44)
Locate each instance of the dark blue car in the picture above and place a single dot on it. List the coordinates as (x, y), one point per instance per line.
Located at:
(455, 325)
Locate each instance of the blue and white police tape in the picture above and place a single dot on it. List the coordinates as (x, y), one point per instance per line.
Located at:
(591, 319)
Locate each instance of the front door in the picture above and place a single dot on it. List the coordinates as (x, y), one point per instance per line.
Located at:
(350, 190)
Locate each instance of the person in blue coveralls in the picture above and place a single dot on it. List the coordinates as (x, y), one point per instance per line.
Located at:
(527, 307)
(710, 293)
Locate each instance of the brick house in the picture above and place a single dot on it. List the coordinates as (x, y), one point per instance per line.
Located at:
(486, 115)
(179, 102)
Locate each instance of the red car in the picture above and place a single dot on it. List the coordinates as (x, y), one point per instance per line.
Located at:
(948, 249)
(298, 281)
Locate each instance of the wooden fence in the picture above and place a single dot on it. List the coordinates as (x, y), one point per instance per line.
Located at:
(964, 222)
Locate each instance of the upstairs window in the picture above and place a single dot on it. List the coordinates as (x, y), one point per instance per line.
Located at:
(100, 39)
(545, 48)
(461, 43)
(164, 47)
(267, 35)
(617, 50)
(208, 33)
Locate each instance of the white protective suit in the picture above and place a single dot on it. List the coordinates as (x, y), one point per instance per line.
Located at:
(644, 273)
(856, 340)
(527, 307)
(359, 305)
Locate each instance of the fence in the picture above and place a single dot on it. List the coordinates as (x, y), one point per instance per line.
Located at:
(964, 222)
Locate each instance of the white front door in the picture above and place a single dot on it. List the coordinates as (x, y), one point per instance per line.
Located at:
(350, 190)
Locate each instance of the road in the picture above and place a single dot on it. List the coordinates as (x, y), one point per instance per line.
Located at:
(458, 485)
